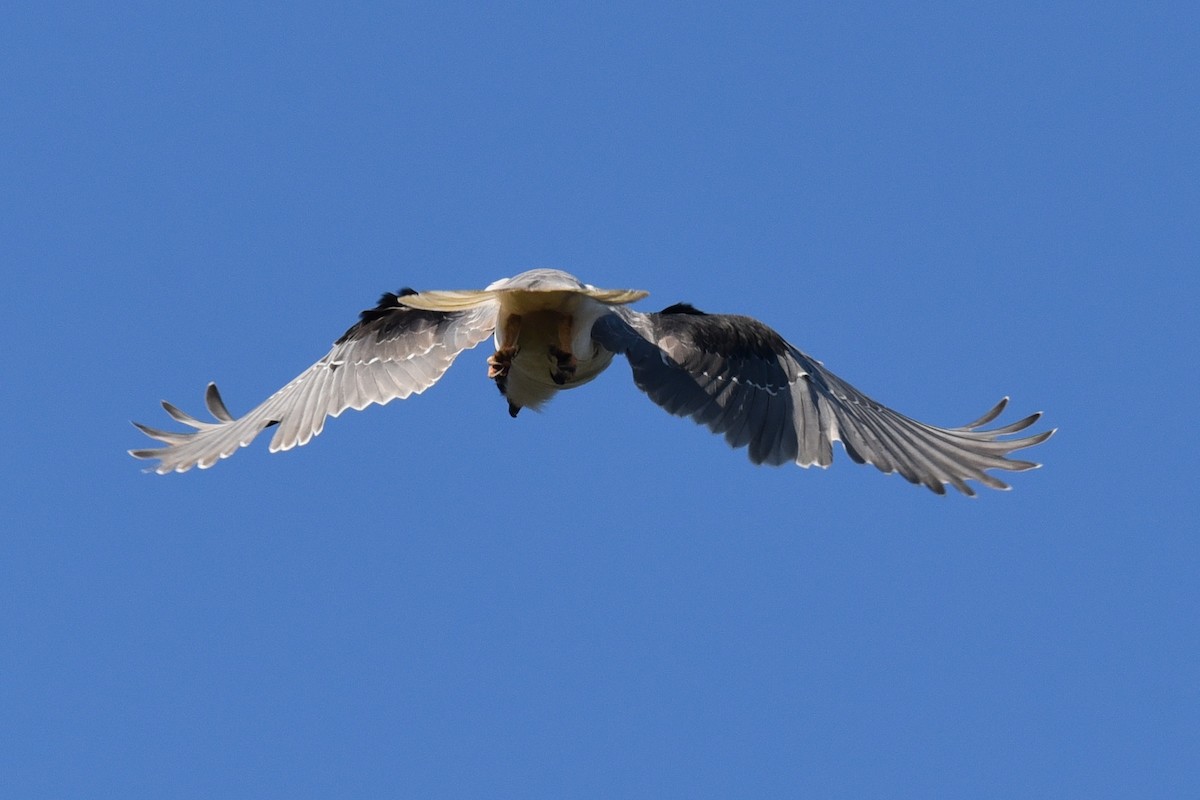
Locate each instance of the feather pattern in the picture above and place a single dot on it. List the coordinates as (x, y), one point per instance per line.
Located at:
(392, 352)
(741, 379)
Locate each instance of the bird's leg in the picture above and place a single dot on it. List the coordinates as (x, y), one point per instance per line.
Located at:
(500, 361)
(565, 362)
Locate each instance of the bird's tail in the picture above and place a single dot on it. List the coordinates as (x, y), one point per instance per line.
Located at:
(448, 300)
(460, 300)
(615, 297)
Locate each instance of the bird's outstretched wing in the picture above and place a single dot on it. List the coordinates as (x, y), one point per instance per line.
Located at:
(742, 379)
(392, 352)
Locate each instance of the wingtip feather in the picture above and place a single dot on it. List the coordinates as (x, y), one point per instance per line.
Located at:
(988, 415)
(216, 406)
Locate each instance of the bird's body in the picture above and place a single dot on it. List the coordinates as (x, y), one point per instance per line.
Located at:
(531, 381)
(731, 373)
(539, 313)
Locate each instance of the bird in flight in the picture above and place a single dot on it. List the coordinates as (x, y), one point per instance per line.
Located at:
(730, 373)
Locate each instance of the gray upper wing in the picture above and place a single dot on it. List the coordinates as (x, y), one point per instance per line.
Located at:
(392, 352)
(742, 379)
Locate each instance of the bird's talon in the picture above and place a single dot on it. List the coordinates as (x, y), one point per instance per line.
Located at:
(500, 362)
(565, 365)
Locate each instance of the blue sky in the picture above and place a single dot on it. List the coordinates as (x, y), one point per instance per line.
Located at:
(946, 203)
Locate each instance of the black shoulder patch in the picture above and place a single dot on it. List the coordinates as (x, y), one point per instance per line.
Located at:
(683, 308)
(727, 335)
(388, 304)
(388, 301)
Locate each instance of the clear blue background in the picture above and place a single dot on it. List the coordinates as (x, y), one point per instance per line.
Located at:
(944, 202)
